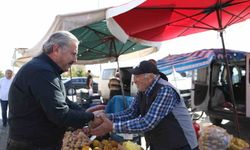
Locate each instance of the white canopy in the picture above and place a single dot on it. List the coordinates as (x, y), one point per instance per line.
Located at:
(62, 22)
(72, 21)
(68, 22)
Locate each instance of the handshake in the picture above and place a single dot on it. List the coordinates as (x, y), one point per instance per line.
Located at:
(101, 124)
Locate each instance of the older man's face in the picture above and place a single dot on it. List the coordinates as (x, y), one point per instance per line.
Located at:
(67, 56)
(143, 81)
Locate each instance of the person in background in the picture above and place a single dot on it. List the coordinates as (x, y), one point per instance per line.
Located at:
(162, 75)
(158, 111)
(89, 83)
(5, 83)
(115, 85)
(40, 111)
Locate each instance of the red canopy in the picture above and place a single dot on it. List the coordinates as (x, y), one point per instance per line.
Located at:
(153, 21)
(160, 20)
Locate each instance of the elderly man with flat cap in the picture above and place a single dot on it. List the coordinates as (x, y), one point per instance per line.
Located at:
(158, 111)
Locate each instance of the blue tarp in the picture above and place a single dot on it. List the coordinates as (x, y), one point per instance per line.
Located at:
(195, 60)
(116, 103)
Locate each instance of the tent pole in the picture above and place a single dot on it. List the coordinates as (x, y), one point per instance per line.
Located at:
(229, 78)
(121, 83)
(174, 77)
(70, 74)
(230, 85)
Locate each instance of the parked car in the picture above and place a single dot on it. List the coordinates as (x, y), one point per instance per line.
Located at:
(75, 83)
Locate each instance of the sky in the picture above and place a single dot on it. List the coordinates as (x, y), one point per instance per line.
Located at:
(25, 22)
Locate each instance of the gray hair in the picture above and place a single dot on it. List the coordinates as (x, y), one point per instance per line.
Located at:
(149, 74)
(8, 70)
(62, 38)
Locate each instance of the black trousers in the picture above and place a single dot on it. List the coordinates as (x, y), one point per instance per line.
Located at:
(19, 145)
(4, 106)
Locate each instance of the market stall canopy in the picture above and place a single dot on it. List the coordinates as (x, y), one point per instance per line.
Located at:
(98, 45)
(18, 62)
(152, 21)
(75, 22)
(68, 22)
(195, 60)
(63, 22)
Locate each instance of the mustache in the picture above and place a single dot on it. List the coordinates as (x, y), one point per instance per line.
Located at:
(71, 63)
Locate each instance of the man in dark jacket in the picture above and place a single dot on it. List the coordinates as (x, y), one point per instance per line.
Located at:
(157, 111)
(39, 109)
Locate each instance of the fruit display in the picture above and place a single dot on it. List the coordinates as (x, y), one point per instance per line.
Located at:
(104, 145)
(76, 140)
(238, 144)
(214, 137)
(128, 145)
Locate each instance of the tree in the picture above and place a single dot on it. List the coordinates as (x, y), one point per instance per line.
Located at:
(1, 74)
(75, 71)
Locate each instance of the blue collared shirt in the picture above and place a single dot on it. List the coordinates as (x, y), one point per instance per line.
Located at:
(130, 121)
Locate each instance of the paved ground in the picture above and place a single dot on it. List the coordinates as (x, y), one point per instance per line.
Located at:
(3, 136)
(3, 133)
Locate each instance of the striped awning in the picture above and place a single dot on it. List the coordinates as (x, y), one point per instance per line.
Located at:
(195, 60)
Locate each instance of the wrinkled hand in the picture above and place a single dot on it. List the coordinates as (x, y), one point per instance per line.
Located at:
(100, 113)
(105, 127)
(96, 108)
(96, 122)
(86, 130)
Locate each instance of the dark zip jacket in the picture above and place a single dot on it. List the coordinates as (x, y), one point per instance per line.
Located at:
(39, 111)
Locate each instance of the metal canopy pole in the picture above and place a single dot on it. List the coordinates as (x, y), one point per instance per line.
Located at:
(219, 8)
(230, 85)
(121, 83)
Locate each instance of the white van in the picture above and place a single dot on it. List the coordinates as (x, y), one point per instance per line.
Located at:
(130, 89)
(126, 77)
(211, 93)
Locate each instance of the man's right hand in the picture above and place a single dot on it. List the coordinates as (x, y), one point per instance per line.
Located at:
(96, 122)
(105, 127)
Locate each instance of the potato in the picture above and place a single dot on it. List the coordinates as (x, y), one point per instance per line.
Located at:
(96, 143)
(114, 143)
(85, 147)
